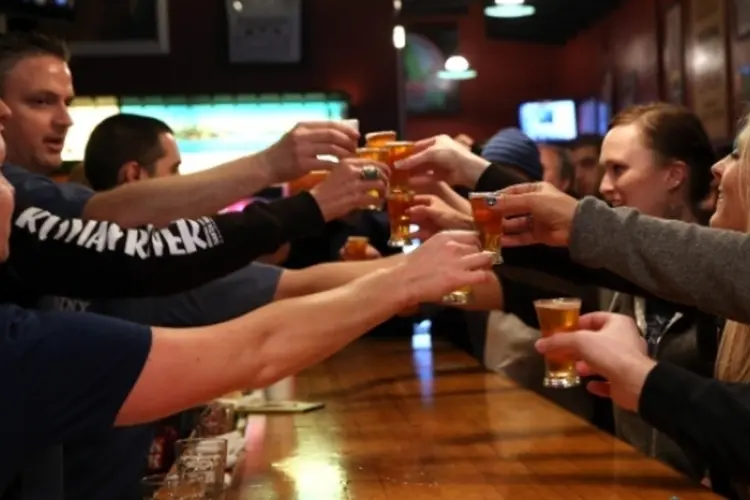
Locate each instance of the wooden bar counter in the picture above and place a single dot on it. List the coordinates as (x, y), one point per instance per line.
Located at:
(426, 424)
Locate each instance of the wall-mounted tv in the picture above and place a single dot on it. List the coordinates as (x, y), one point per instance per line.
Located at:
(593, 117)
(211, 130)
(86, 113)
(549, 120)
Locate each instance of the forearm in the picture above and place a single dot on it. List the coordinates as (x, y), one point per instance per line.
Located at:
(324, 277)
(495, 177)
(160, 201)
(686, 263)
(452, 198)
(189, 367)
(70, 257)
(709, 417)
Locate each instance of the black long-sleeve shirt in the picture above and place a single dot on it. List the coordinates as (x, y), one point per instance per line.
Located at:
(51, 255)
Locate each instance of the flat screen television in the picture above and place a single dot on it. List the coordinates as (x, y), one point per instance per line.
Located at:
(549, 120)
(593, 117)
(86, 113)
(211, 130)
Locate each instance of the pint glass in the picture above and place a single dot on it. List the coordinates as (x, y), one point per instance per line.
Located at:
(559, 316)
(488, 222)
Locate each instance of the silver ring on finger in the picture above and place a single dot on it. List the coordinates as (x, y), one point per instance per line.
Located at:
(369, 173)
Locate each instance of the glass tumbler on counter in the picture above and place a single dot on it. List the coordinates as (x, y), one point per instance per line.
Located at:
(203, 460)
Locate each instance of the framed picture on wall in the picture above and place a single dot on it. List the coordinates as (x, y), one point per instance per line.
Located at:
(427, 47)
(673, 55)
(264, 31)
(116, 28)
(742, 15)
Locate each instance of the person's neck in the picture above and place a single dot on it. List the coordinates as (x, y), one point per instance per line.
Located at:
(680, 212)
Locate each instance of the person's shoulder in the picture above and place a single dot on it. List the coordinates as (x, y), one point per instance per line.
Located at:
(65, 199)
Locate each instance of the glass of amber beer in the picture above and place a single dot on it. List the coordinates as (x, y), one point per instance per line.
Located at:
(399, 150)
(356, 247)
(380, 139)
(379, 155)
(488, 222)
(559, 316)
(398, 217)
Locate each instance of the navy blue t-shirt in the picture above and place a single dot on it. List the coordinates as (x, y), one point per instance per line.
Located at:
(34, 190)
(64, 377)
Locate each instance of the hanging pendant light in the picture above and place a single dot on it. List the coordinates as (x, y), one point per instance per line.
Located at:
(509, 9)
(457, 68)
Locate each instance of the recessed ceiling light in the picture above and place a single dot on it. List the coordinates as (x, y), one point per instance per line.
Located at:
(509, 9)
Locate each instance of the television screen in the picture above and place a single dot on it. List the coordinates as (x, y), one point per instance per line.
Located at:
(86, 113)
(593, 117)
(211, 130)
(549, 120)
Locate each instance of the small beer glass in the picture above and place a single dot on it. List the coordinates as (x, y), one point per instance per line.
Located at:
(399, 219)
(380, 138)
(379, 155)
(488, 222)
(399, 150)
(559, 316)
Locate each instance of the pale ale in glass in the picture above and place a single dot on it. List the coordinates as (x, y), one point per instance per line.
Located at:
(559, 316)
(488, 222)
(356, 247)
(379, 139)
(379, 155)
(398, 217)
(399, 178)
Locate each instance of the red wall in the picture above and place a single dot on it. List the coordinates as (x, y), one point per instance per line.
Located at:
(356, 57)
(508, 74)
(625, 42)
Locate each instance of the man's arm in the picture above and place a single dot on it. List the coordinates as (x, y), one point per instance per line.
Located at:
(705, 415)
(260, 348)
(322, 277)
(220, 300)
(160, 201)
(71, 257)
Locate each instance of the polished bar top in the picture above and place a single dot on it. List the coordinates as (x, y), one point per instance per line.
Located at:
(425, 424)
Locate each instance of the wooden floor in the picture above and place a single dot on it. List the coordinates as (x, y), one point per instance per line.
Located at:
(431, 424)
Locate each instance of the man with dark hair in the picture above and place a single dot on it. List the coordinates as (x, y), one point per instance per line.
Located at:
(558, 168)
(124, 148)
(36, 84)
(584, 153)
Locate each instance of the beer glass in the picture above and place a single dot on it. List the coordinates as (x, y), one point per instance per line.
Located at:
(559, 316)
(380, 139)
(379, 155)
(399, 150)
(398, 217)
(488, 222)
(356, 247)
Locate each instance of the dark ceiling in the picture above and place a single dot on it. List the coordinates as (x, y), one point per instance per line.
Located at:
(555, 21)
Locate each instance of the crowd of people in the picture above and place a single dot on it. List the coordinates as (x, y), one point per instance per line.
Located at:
(110, 290)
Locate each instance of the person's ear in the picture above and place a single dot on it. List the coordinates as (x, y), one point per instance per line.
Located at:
(130, 172)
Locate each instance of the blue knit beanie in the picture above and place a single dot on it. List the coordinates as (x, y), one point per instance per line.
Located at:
(512, 147)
